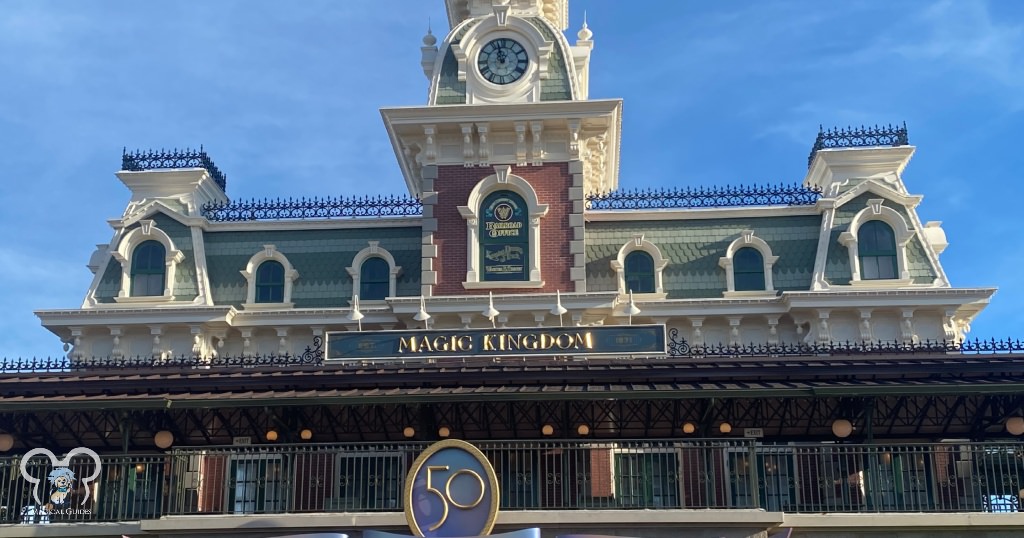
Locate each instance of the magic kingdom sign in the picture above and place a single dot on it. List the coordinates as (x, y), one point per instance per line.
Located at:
(518, 342)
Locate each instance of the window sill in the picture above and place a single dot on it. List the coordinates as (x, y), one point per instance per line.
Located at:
(268, 306)
(750, 294)
(883, 283)
(145, 299)
(637, 297)
(503, 285)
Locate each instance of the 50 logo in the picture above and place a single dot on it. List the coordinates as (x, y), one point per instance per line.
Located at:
(451, 490)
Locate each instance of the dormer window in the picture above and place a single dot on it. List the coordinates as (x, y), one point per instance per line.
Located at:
(270, 282)
(876, 241)
(149, 261)
(876, 248)
(639, 267)
(748, 264)
(149, 269)
(374, 279)
(374, 273)
(748, 269)
(270, 278)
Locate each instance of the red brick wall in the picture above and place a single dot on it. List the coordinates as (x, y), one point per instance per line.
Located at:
(213, 474)
(601, 479)
(453, 185)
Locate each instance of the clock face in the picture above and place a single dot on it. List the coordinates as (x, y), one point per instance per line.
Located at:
(502, 61)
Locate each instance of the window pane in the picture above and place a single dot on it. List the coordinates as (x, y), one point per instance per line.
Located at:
(749, 281)
(875, 238)
(374, 279)
(147, 285)
(869, 268)
(748, 270)
(639, 269)
(886, 266)
(148, 268)
(375, 269)
(373, 291)
(270, 282)
(270, 273)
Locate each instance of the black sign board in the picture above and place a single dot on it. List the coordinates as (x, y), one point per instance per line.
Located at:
(607, 340)
(504, 237)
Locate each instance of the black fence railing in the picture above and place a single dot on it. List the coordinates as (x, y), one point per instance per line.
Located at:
(584, 475)
(862, 137)
(176, 158)
(314, 208)
(677, 347)
(705, 197)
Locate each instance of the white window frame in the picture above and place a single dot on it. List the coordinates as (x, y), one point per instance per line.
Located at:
(374, 250)
(877, 211)
(501, 180)
(269, 252)
(146, 231)
(747, 239)
(660, 262)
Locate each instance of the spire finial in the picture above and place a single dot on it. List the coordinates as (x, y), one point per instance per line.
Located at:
(585, 34)
(429, 40)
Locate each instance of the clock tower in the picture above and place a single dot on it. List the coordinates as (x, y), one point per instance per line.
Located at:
(506, 149)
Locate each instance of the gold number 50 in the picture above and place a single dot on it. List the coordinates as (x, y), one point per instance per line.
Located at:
(446, 497)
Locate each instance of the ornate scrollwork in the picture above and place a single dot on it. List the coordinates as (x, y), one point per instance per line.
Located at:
(314, 355)
(677, 346)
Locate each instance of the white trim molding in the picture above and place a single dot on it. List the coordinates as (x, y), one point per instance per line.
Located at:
(747, 239)
(638, 243)
(147, 231)
(877, 211)
(269, 252)
(503, 179)
(374, 250)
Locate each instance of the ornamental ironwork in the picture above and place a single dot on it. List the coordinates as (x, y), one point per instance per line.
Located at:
(703, 197)
(679, 347)
(863, 137)
(176, 158)
(313, 208)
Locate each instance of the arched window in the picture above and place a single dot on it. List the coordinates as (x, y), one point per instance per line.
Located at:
(876, 247)
(748, 264)
(270, 282)
(374, 279)
(748, 269)
(504, 237)
(639, 267)
(149, 269)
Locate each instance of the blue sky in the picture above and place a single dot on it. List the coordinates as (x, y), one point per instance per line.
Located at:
(285, 97)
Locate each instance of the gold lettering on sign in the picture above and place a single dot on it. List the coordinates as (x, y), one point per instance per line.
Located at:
(503, 229)
(456, 343)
